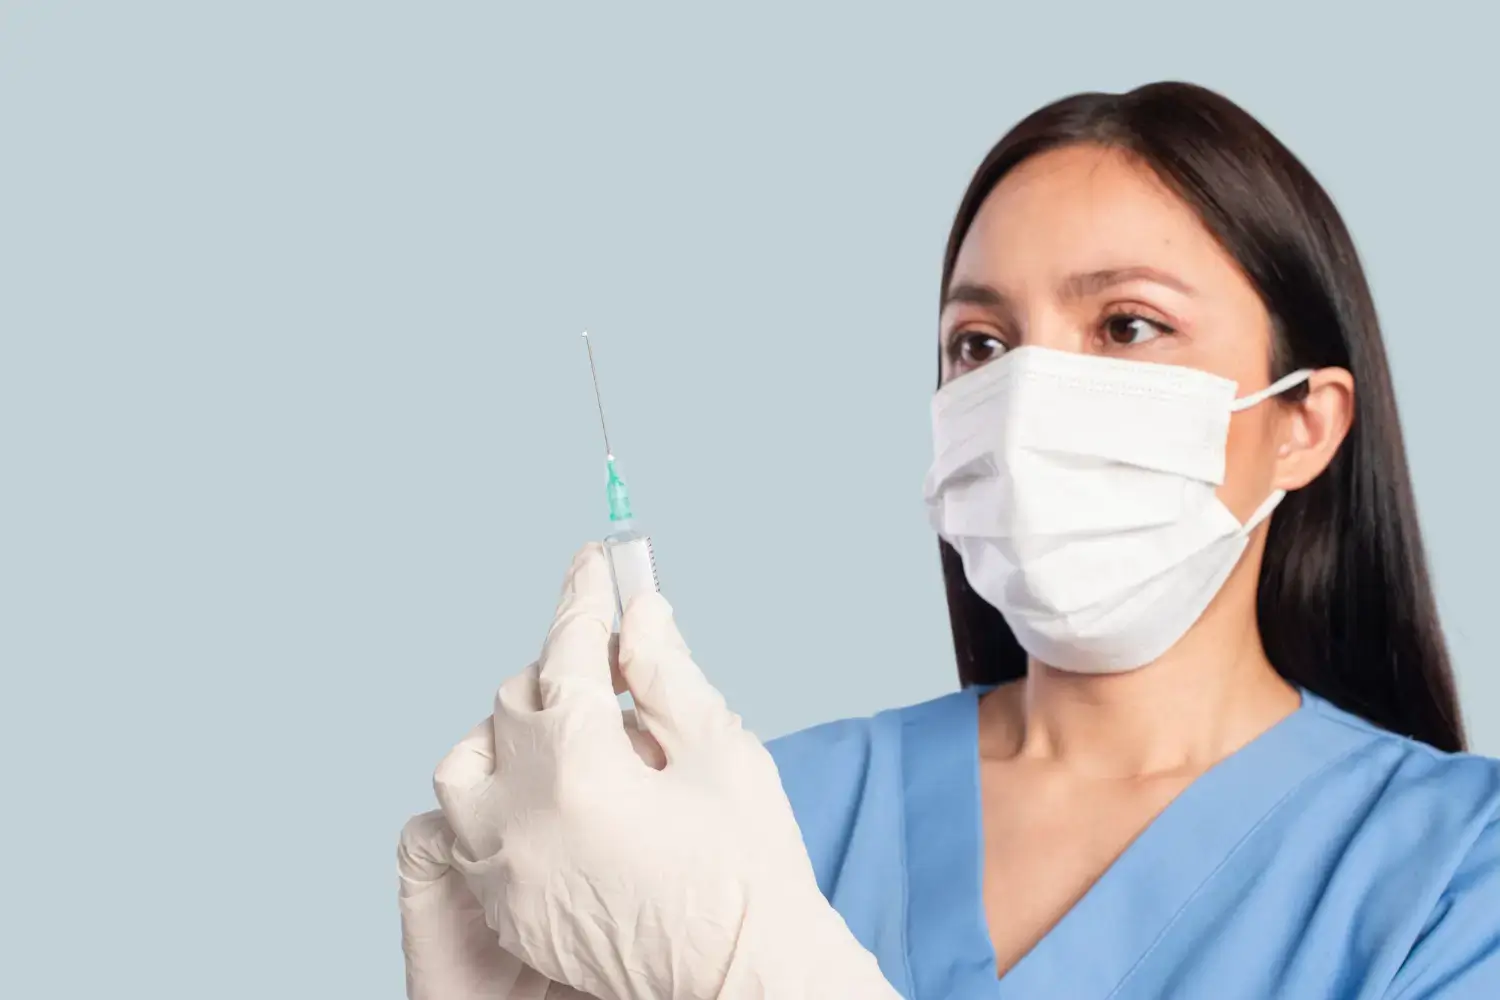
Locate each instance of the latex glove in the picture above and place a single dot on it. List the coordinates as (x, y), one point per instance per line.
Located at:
(687, 883)
(450, 953)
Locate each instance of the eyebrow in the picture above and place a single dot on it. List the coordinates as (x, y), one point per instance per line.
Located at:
(1079, 286)
(1075, 286)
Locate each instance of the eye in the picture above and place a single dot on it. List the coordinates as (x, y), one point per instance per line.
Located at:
(1129, 330)
(972, 348)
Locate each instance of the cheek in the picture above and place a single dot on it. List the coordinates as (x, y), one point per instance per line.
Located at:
(945, 364)
(1249, 461)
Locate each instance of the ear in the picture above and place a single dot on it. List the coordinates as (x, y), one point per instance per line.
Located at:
(1313, 428)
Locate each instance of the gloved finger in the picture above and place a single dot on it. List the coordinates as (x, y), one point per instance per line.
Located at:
(450, 953)
(673, 697)
(464, 781)
(466, 767)
(521, 695)
(424, 853)
(574, 668)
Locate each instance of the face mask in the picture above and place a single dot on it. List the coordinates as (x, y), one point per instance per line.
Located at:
(1079, 491)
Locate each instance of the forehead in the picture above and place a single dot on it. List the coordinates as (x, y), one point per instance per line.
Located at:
(1084, 208)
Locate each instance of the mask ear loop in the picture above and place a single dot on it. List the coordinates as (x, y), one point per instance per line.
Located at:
(1244, 403)
(1274, 389)
(1263, 511)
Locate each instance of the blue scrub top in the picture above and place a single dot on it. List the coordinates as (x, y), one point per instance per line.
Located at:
(1326, 859)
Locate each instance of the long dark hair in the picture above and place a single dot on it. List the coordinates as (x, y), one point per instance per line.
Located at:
(1344, 604)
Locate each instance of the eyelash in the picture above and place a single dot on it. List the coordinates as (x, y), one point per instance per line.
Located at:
(1156, 324)
(965, 335)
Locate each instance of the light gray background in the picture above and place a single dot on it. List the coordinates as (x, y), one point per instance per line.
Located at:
(298, 436)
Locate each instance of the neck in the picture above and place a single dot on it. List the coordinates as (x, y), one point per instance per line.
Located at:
(1208, 696)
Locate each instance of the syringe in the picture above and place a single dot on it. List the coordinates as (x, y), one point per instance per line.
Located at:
(632, 564)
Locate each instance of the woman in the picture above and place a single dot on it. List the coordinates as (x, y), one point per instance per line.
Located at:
(1207, 743)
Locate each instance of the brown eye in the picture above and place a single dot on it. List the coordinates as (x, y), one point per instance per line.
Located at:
(970, 350)
(1126, 330)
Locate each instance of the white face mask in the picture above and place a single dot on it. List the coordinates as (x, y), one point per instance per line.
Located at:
(1079, 491)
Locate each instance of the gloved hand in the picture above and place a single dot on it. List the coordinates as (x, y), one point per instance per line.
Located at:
(450, 953)
(687, 883)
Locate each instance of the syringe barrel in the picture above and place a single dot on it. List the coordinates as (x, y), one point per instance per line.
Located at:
(632, 564)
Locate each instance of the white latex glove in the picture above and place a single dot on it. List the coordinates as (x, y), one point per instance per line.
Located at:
(450, 953)
(688, 883)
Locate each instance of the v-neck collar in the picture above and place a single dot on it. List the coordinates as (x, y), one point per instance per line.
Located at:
(1092, 949)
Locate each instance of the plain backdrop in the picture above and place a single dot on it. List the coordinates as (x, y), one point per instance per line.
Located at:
(298, 436)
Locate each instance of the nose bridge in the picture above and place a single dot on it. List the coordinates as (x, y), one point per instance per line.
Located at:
(1047, 324)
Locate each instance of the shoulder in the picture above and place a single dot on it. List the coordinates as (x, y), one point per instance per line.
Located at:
(834, 746)
(844, 780)
(1404, 772)
(1454, 806)
(835, 754)
(827, 764)
(1434, 817)
(1406, 790)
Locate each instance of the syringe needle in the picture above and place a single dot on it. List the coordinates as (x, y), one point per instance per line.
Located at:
(598, 400)
(632, 564)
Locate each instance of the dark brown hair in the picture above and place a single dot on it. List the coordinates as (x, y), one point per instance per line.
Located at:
(1344, 604)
